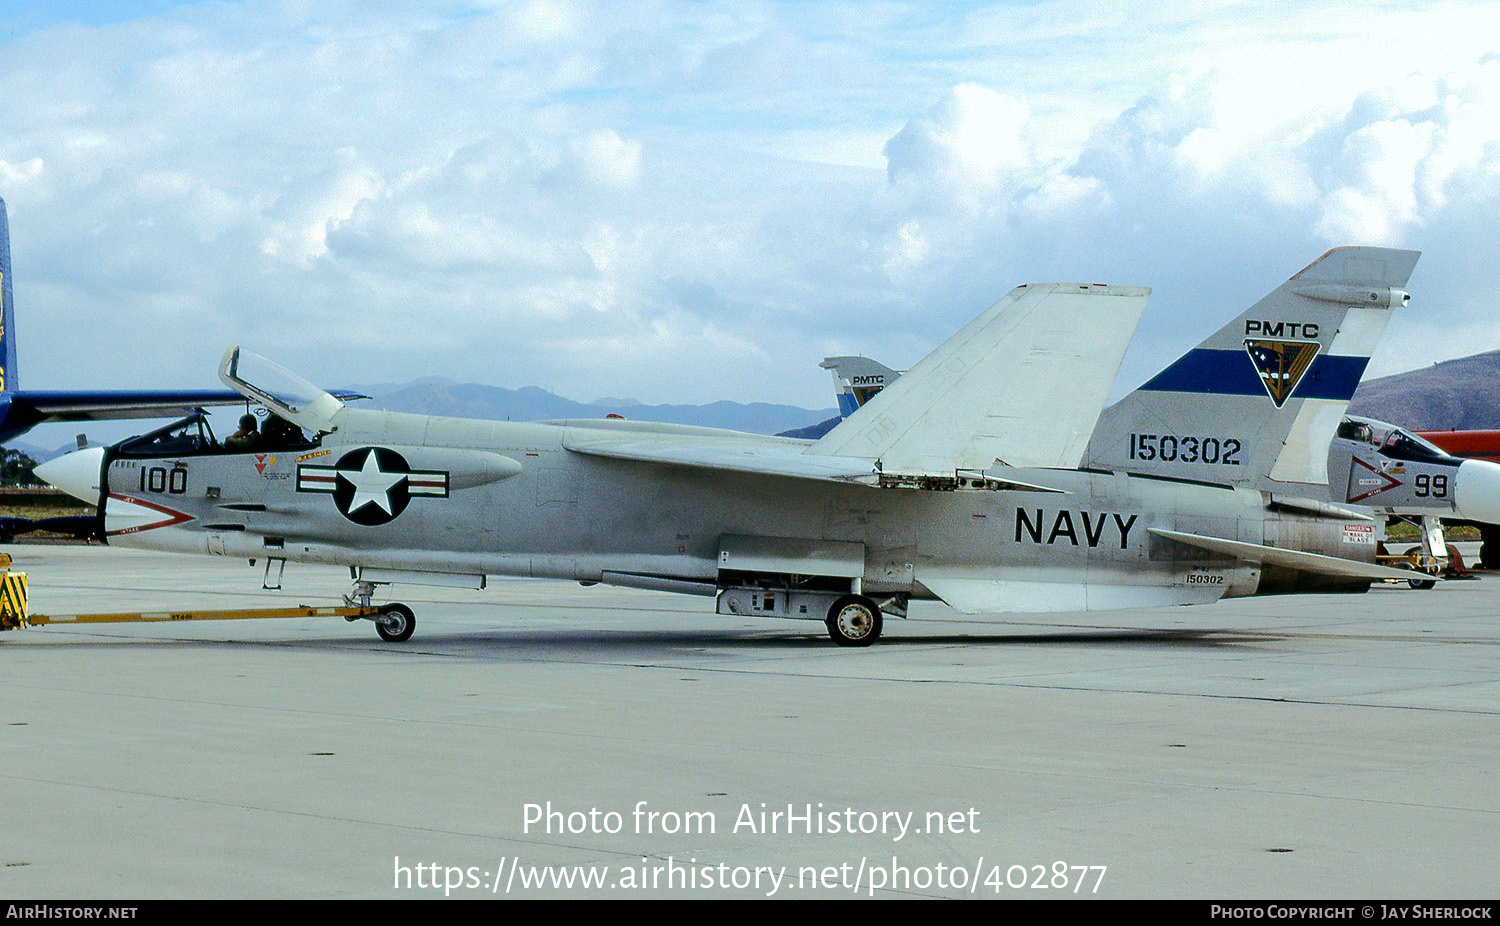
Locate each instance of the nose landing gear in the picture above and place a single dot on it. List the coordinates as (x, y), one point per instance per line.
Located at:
(395, 622)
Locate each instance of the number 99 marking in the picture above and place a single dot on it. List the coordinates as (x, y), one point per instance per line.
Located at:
(1431, 486)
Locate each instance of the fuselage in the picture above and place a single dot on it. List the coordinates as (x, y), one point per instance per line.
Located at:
(416, 493)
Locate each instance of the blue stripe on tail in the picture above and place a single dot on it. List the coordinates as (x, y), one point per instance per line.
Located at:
(1231, 372)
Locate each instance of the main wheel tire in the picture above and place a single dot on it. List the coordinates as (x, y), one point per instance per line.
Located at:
(395, 623)
(854, 620)
(1418, 583)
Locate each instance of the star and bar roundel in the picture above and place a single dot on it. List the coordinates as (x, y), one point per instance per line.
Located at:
(372, 485)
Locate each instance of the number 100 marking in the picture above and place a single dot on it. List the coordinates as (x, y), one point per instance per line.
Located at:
(159, 479)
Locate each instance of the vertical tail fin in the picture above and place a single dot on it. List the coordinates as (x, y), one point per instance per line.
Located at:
(1257, 403)
(7, 323)
(856, 380)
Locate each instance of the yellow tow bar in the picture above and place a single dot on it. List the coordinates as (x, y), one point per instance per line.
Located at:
(133, 617)
(14, 614)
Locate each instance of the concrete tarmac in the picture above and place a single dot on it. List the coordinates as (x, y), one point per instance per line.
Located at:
(1294, 747)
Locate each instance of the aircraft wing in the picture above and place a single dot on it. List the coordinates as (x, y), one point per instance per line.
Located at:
(20, 411)
(1023, 383)
(88, 406)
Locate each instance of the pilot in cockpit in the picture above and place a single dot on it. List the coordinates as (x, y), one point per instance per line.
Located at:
(247, 437)
(280, 434)
(1356, 430)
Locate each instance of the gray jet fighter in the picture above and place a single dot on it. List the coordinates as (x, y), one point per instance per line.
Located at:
(1392, 470)
(989, 476)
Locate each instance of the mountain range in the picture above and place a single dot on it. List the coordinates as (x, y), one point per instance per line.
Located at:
(469, 400)
(1455, 395)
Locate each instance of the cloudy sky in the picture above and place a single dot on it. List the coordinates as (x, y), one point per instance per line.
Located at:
(692, 201)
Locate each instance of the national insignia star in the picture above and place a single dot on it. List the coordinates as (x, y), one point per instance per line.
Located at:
(372, 485)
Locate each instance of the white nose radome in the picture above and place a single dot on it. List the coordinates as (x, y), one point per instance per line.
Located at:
(76, 473)
(1476, 491)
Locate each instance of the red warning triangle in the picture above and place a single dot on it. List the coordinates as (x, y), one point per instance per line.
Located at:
(1362, 486)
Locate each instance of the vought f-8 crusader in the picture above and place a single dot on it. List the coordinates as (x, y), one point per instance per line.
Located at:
(989, 476)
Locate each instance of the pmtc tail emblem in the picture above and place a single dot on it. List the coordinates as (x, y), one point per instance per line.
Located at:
(1281, 365)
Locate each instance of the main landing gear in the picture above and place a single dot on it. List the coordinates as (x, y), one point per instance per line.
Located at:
(854, 620)
(395, 622)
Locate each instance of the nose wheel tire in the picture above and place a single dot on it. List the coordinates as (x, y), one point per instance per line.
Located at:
(854, 620)
(395, 623)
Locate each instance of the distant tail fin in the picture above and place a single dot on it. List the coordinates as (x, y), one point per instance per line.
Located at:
(856, 380)
(7, 323)
(1258, 402)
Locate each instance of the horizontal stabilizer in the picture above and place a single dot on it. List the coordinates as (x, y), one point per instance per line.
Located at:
(1292, 559)
(968, 593)
(1023, 384)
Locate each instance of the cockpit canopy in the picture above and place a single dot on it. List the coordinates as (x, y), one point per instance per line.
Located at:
(293, 413)
(285, 393)
(185, 437)
(1390, 440)
(193, 436)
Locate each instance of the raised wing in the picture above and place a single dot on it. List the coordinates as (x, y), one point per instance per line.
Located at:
(1022, 384)
(28, 408)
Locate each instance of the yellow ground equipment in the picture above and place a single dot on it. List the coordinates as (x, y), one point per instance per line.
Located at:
(14, 614)
(12, 596)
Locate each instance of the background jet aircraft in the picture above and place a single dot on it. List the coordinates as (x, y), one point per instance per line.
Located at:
(1392, 470)
(20, 411)
(1403, 475)
(1473, 445)
(857, 380)
(986, 476)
